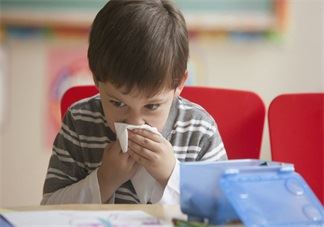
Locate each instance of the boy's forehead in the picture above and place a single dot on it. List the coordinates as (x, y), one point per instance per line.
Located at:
(136, 92)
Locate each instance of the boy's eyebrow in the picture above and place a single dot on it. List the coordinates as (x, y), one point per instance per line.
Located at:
(149, 100)
(111, 96)
(156, 100)
(153, 100)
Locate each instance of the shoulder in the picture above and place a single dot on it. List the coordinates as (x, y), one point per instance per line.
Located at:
(192, 120)
(91, 105)
(193, 113)
(194, 131)
(86, 117)
(86, 112)
(88, 107)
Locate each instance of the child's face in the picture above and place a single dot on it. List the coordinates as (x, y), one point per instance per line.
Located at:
(133, 108)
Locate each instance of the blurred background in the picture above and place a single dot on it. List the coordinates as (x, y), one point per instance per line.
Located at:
(270, 47)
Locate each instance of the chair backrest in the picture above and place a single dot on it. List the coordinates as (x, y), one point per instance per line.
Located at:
(74, 94)
(239, 115)
(296, 123)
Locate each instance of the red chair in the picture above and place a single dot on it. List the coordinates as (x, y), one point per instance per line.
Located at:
(239, 115)
(74, 94)
(296, 123)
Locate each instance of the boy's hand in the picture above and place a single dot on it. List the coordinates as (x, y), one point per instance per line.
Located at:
(116, 169)
(153, 152)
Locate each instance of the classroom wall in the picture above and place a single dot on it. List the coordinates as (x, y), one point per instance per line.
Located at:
(1, 158)
(269, 69)
(295, 65)
(24, 160)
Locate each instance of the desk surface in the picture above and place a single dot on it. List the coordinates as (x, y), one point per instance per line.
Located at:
(166, 212)
(163, 212)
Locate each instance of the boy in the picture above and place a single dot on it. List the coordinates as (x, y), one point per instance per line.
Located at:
(138, 52)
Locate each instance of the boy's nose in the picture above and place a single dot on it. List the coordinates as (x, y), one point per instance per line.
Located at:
(135, 120)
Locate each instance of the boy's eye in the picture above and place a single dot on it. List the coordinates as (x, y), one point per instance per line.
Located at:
(152, 106)
(117, 103)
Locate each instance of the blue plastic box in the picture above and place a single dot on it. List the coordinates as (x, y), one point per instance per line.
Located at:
(256, 192)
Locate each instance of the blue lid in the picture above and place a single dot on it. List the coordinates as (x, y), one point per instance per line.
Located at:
(200, 194)
(271, 197)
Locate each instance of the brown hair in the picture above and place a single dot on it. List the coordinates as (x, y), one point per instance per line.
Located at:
(139, 43)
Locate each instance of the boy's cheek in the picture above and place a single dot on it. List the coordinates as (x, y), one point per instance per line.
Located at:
(111, 119)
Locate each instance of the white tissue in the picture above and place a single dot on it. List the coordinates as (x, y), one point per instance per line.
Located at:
(142, 181)
(122, 133)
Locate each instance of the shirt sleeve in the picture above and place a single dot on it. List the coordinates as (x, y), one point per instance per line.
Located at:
(84, 191)
(69, 178)
(169, 195)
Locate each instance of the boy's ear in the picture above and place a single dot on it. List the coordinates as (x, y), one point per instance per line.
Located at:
(182, 83)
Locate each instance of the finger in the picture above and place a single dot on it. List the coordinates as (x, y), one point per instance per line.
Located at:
(148, 134)
(130, 159)
(143, 141)
(135, 168)
(142, 151)
(134, 164)
(137, 157)
(114, 147)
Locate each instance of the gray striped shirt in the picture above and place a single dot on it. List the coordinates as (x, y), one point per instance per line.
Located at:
(79, 145)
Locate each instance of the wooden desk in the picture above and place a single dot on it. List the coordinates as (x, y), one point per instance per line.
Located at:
(166, 212)
(162, 212)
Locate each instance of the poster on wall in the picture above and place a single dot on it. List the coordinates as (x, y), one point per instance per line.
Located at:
(67, 67)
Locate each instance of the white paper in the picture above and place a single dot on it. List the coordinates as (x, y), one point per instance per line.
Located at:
(75, 218)
(142, 181)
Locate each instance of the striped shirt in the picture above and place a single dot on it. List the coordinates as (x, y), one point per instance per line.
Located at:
(79, 145)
